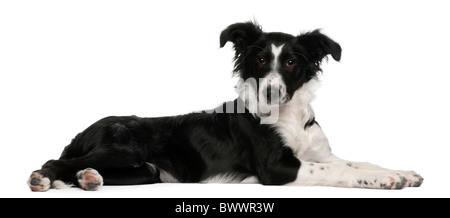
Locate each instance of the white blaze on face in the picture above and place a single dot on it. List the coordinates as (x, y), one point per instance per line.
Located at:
(276, 51)
(273, 80)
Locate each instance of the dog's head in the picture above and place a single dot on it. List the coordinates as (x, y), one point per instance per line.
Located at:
(277, 63)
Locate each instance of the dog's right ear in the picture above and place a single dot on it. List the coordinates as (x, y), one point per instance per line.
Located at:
(241, 34)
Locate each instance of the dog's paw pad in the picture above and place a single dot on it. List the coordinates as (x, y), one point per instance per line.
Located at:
(38, 183)
(89, 179)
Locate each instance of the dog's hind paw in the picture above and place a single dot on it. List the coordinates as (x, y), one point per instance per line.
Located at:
(38, 182)
(89, 179)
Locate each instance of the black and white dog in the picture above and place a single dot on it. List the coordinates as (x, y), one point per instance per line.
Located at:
(268, 135)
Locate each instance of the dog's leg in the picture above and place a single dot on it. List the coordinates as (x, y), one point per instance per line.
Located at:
(90, 179)
(84, 171)
(337, 174)
(65, 173)
(346, 173)
(145, 174)
(413, 178)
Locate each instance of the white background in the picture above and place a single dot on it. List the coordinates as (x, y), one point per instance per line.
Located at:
(66, 64)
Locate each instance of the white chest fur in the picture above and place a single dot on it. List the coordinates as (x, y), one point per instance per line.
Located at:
(308, 144)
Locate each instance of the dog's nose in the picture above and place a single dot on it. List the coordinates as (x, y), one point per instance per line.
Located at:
(272, 94)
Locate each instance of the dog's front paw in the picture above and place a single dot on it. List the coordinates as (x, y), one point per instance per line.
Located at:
(413, 178)
(383, 180)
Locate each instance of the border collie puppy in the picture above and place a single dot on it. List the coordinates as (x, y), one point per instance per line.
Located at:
(268, 135)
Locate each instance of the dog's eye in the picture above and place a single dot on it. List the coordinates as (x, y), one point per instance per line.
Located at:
(261, 60)
(290, 63)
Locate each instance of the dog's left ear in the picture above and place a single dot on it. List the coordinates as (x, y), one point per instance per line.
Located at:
(241, 34)
(319, 45)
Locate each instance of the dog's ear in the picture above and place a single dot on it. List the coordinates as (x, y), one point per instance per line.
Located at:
(241, 34)
(318, 45)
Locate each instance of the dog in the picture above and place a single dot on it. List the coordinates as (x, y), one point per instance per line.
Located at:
(267, 135)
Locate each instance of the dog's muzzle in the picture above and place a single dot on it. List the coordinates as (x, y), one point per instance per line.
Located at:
(273, 92)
